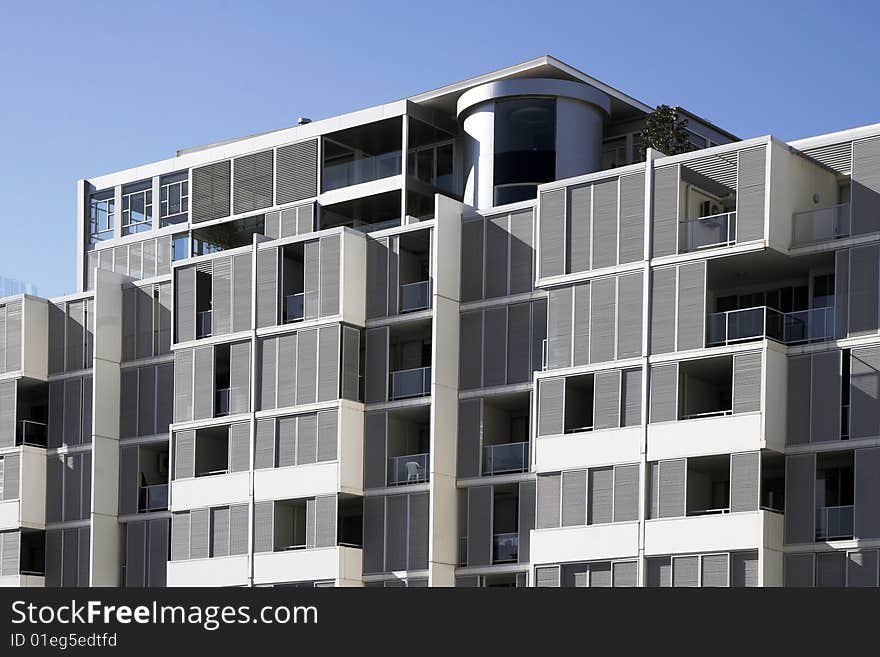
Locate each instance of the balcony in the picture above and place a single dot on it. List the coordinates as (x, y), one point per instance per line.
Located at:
(731, 327)
(710, 232)
(505, 548)
(204, 324)
(31, 433)
(294, 308)
(415, 296)
(820, 225)
(834, 523)
(506, 458)
(221, 402)
(354, 168)
(153, 498)
(408, 384)
(410, 469)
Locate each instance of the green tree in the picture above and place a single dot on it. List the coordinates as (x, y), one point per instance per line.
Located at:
(665, 131)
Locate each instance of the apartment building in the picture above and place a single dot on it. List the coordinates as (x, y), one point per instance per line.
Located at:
(470, 338)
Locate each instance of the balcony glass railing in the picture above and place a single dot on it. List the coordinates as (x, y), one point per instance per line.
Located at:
(834, 522)
(734, 326)
(820, 225)
(357, 169)
(411, 383)
(509, 457)
(410, 469)
(415, 296)
(221, 402)
(812, 325)
(294, 307)
(505, 547)
(204, 324)
(153, 498)
(709, 232)
(28, 432)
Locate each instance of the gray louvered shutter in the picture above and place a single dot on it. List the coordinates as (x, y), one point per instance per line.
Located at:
(306, 439)
(825, 403)
(479, 535)
(54, 487)
(200, 538)
(328, 363)
(626, 493)
(747, 382)
(744, 569)
(183, 385)
(672, 488)
(469, 437)
(241, 292)
(267, 287)
(526, 510)
(606, 400)
(865, 186)
(220, 532)
(203, 383)
(664, 392)
(144, 322)
(864, 393)
(239, 447)
(601, 495)
(72, 411)
(10, 548)
(629, 315)
(13, 336)
(495, 349)
(297, 176)
(129, 470)
(799, 570)
(548, 495)
(305, 218)
(497, 240)
(3, 339)
(800, 500)
(551, 209)
(578, 228)
(799, 400)
(522, 252)
(663, 295)
(56, 413)
(559, 327)
(163, 255)
(264, 526)
(331, 254)
(625, 573)
(867, 493)
(157, 552)
(745, 481)
(864, 279)
(306, 366)
(240, 377)
(631, 402)
(418, 531)
(180, 532)
(714, 570)
(135, 554)
(8, 393)
(184, 454)
(75, 335)
(351, 367)
(286, 441)
(10, 475)
(551, 407)
(603, 310)
(581, 338)
(86, 428)
(471, 261)
(311, 279)
(252, 176)
(547, 576)
(841, 294)
(69, 557)
(604, 224)
(264, 444)
(691, 306)
(574, 498)
(861, 569)
(374, 535)
(686, 571)
(149, 255)
(287, 370)
(210, 191)
(518, 343)
(632, 218)
(396, 516)
(664, 230)
(831, 569)
(751, 179)
(165, 397)
(539, 332)
(471, 350)
(376, 375)
(328, 430)
(53, 558)
(600, 575)
(238, 529)
(269, 373)
(394, 275)
(377, 278)
(375, 446)
(221, 296)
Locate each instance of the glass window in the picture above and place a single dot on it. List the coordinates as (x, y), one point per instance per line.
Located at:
(137, 207)
(174, 199)
(102, 213)
(180, 247)
(525, 147)
(614, 153)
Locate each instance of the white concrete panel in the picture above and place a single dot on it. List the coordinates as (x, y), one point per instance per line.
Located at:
(9, 514)
(104, 568)
(774, 389)
(351, 447)
(33, 487)
(22, 581)
(588, 449)
(293, 482)
(353, 277)
(479, 128)
(730, 531)
(610, 541)
(704, 436)
(35, 338)
(201, 492)
(219, 571)
(298, 565)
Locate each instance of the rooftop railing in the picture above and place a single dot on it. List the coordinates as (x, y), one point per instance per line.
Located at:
(812, 226)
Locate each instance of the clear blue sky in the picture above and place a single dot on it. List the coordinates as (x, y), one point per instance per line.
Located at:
(93, 87)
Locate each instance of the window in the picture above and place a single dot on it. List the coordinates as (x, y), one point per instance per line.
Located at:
(102, 211)
(174, 199)
(137, 207)
(614, 153)
(433, 164)
(180, 247)
(525, 147)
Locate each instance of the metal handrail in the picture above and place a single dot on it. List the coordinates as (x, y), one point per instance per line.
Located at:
(579, 429)
(204, 324)
(405, 474)
(294, 307)
(400, 376)
(758, 322)
(506, 457)
(411, 297)
(834, 522)
(153, 497)
(726, 234)
(695, 416)
(31, 433)
(710, 512)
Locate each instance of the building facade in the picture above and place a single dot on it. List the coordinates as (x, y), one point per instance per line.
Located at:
(471, 338)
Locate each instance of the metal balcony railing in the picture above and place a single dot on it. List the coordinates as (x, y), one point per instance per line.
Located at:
(505, 547)
(153, 498)
(834, 522)
(409, 469)
(709, 232)
(415, 296)
(509, 457)
(204, 324)
(730, 327)
(406, 384)
(221, 402)
(812, 226)
(294, 307)
(28, 432)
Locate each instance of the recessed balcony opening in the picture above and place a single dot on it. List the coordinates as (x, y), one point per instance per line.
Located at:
(290, 525)
(212, 451)
(204, 304)
(31, 413)
(366, 214)
(505, 524)
(705, 388)
(414, 271)
(222, 380)
(579, 403)
(773, 482)
(431, 156)
(295, 520)
(350, 524)
(409, 446)
(835, 494)
(419, 206)
(362, 154)
(152, 478)
(409, 360)
(708, 485)
(505, 434)
(32, 556)
(228, 235)
(828, 219)
(708, 205)
(293, 306)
